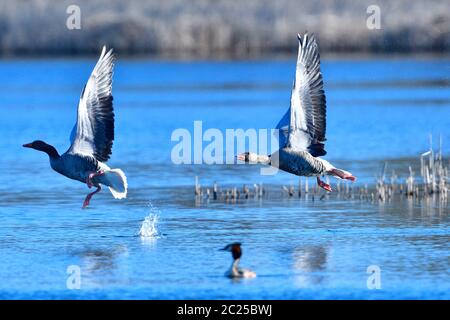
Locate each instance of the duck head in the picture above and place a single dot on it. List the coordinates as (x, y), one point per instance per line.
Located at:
(235, 249)
(44, 147)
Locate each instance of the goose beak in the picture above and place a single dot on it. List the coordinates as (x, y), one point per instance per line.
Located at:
(27, 145)
(241, 157)
(223, 249)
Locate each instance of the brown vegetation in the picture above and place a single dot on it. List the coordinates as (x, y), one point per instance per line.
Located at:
(221, 28)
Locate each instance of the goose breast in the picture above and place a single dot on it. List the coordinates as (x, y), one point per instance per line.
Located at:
(300, 163)
(75, 166)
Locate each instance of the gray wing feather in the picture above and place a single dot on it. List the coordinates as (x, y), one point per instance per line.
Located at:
(93, 133)
(283, 127)
(307, 123)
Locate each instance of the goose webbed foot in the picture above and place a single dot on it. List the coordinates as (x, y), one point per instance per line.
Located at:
(92, 176)
(89, 196)
(342, 174)
(323, 185)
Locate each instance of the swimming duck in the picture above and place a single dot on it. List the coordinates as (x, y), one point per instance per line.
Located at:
(92, 136)
(235, 271)
(302, 128)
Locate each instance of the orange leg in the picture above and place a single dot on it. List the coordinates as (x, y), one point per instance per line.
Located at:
(89, 196)
(323, 184)
(91, 176)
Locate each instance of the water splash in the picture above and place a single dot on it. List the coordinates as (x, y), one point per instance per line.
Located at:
(149, 227)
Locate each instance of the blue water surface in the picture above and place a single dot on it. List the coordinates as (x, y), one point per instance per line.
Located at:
(378, 110)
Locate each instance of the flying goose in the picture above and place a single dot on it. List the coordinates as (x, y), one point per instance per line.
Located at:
(92, 136)
(235, 271)
(302, 128)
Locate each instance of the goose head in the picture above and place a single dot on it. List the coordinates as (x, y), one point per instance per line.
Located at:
(44, 147)
(249, 157)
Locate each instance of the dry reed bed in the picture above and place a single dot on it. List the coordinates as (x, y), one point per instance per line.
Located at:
(429, 185)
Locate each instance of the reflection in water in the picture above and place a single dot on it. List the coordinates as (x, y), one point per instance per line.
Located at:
(310, 261)
(98, 260)
(99, 265)
(310, 258)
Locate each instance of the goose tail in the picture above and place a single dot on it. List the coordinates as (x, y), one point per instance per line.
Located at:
(116, 181)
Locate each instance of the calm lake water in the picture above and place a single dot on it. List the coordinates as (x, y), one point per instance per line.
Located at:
(378, 110)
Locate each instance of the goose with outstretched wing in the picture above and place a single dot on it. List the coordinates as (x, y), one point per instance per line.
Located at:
(92, 136)
(301, 130)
